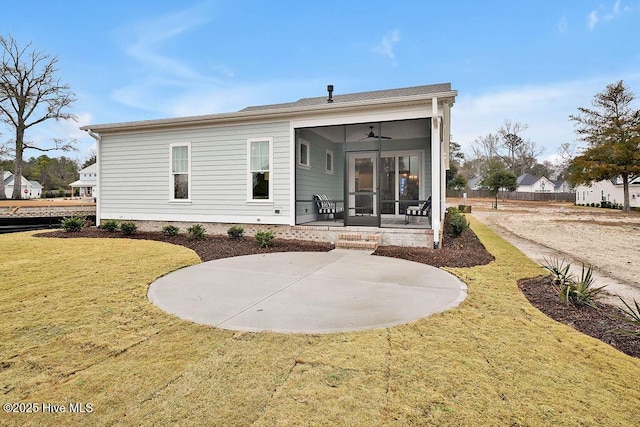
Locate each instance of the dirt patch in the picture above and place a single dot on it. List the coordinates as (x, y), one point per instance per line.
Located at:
(598, 323)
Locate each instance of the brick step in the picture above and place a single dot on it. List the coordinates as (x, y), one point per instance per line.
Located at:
(359, 237)
(355, 244)
(358, 241)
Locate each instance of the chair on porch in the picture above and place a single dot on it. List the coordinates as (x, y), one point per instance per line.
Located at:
(423, 209)
(326, 206)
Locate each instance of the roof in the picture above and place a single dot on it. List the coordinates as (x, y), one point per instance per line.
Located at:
(35, 184)
(92, 168)
(527, 179)
(81, 183)
(344, 103)
(360, 96)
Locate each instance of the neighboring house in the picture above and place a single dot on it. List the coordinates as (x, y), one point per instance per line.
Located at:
(371, 154)
(528, 183)
(474, 183)
(608, 190)
(30, 189)
(87, 183)
(562, 186)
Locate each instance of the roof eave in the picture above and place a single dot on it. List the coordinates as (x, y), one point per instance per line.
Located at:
(269, 114)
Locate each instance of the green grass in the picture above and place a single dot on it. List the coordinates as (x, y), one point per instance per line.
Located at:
(77, 327)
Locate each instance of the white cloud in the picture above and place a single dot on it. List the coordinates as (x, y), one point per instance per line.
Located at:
(593, 19)
(163, 77)
(607, 14)
(387, 44)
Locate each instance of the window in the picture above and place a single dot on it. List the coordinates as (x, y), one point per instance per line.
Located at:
(180, 172)
(304, 153)
(259, 179)
(329, 161)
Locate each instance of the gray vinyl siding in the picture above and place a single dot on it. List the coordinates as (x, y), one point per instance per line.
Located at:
(135, 178)
(315, 179)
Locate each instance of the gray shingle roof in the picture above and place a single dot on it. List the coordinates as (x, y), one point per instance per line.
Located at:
(361, 96)
(527, 179)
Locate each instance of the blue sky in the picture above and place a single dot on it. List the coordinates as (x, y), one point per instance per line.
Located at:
(533, 62)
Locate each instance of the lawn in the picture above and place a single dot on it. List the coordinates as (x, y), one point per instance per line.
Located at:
(78, 331)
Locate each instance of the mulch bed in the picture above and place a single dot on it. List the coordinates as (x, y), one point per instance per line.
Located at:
(598, 323)
(465, 250)
(208, 248)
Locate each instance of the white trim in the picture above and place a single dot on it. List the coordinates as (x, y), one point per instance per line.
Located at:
(250, 198)
(171, 179)
(307, 144)
(327, 170)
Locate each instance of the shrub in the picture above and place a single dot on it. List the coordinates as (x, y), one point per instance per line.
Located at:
(264, 238)
(73, 223)
(558, 271)
(128, 228)
(633, 319)
(457, 222)
(571, 290)
(196, 231)
(235, 232)
(109, 225)
(170, 230)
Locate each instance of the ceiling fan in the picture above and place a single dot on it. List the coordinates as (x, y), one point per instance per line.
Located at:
(373, 135)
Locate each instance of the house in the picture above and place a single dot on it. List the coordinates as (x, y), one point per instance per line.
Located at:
(532, 184)
(30, 189)
(474, 183)
(608, 190)
(87, 183)
(365, 157)
(562, 186)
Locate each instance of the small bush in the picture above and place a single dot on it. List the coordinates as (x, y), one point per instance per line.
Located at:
(109, 225)
(170, 230)
(457, 222)
(128, 228)
(73, 223)
(265, 238)
(633, 319)
(235, 232)
(196, 231)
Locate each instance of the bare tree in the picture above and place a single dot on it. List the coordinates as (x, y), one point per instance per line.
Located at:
(5, 151)
(521, 154)
(30, 94)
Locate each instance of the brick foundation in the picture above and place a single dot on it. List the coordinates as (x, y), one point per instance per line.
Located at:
(319, 233)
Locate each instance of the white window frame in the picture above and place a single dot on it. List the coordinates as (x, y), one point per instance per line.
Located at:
(171, 179)
(328, 170)
(306, 165)
(250, 198)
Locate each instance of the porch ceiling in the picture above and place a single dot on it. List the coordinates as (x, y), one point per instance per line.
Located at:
(401, 129)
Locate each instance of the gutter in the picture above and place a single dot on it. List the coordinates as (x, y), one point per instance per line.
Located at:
(267, 114)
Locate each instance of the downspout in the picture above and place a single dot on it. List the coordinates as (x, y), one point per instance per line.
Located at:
(436, 180)
(98, 139)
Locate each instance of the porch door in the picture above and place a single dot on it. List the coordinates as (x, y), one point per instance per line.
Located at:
(362, 189)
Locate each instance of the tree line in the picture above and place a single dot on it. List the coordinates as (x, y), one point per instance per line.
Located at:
(610, 131)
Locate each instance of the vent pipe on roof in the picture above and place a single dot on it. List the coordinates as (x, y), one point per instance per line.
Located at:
(330, 90)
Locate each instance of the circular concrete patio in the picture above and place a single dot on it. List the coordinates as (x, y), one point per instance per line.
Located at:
(307, 292)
